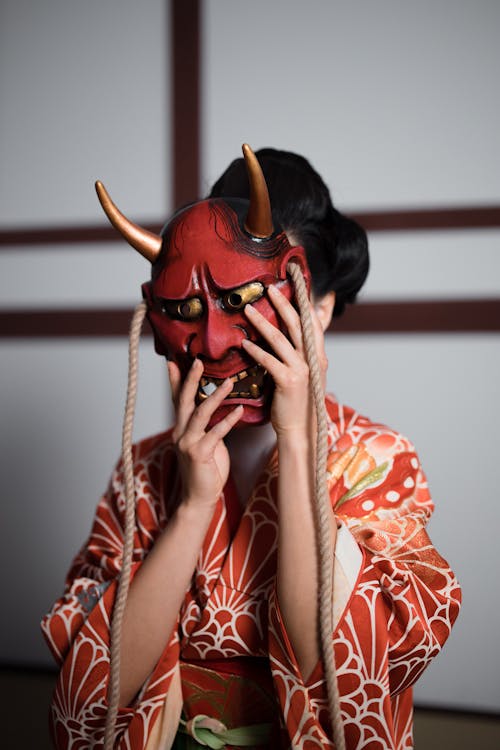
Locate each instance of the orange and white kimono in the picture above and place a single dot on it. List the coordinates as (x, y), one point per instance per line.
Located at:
(395, 600)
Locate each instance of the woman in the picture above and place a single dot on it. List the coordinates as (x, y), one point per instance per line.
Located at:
(223, 603)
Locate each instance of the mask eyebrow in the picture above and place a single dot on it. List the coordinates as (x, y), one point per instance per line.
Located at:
(186, 298)
(177, 284)
(223, 286)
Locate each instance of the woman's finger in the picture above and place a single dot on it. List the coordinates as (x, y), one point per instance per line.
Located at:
(278, 342)
(288, 315)
(187, 394)
(174, 376)
(201, 416)
(274, 367)
(219, 431)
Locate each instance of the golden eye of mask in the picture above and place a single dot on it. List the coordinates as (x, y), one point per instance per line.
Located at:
(185, 309)
(237, 298)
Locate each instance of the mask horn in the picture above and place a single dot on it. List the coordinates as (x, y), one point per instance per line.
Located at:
(259, 221)
(145, 242)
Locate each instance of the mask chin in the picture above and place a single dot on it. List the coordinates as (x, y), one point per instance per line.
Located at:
(254, 414)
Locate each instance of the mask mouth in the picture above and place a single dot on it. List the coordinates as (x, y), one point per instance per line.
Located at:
(248, 384)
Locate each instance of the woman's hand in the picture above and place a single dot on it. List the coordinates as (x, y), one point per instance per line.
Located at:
(203, 456)
(291, 408)
(159, 587)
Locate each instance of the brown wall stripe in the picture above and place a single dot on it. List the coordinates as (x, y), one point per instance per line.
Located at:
(66, 323)
(185, 23)
(418, 219)
(374, 221)
(437, 316)
(57, 236)
(450, 316)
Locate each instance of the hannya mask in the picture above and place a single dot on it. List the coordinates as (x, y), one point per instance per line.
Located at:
(210, 260)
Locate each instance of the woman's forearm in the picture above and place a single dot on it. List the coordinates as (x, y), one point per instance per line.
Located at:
(159, 587)
(156, 595)
(298, 559)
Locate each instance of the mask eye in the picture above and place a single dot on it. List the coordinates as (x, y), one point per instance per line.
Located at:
(236, 299)
(185, 309)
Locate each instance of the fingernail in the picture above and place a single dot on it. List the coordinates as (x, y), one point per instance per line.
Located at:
(250, 309)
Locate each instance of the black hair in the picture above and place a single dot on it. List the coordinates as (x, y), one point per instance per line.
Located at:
(336, 246)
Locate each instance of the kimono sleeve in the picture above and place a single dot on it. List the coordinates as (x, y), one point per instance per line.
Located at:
(399, 597)
(77, 628)
(408, 590)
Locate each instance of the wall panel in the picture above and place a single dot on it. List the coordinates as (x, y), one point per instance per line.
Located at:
(392, 102)
(83, 95)
(62, 405)
(85, 276)
(456, 264)
(442, 392)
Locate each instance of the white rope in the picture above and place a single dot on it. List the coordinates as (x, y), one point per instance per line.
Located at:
(322, 502)
(128, 545)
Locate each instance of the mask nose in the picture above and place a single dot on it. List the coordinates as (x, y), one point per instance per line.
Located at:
(220, 331)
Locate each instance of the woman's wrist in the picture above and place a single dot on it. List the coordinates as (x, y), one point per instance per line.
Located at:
(298, 437)
(194, 510)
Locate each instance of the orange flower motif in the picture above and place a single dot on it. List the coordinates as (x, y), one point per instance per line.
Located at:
(361, 464)
(338, 462)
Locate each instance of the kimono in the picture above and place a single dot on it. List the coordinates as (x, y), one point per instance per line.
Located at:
(395, 600)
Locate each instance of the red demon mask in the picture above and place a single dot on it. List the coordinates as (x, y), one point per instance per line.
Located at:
(211, 260)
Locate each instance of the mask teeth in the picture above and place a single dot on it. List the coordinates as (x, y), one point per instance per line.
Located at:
(208, 388)
(209, 385)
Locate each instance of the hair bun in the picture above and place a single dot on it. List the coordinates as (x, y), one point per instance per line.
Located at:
(336, 246)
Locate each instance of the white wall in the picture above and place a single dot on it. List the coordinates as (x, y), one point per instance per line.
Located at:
(442, 391)
(84, 94)
(395, 104)
(62, 404)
